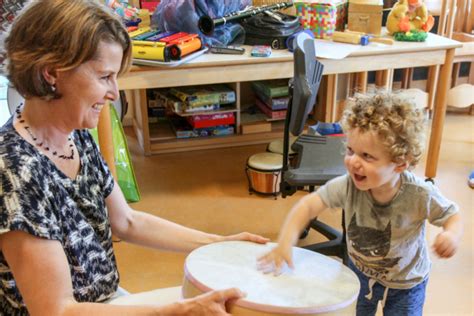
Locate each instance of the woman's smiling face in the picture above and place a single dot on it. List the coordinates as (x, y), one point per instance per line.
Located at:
(87, 88)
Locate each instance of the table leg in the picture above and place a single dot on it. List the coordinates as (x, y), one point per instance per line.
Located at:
(432, 81)
(383, 79)
(361, 81)
(106, 143)
(351, 86)
(439, 114)
(331, 98)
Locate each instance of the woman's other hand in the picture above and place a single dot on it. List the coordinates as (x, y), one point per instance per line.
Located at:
(245, 236)
(214, 303)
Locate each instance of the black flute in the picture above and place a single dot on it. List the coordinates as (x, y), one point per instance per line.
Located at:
(206, 24)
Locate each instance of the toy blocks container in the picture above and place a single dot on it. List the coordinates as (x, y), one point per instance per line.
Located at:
(322, 17)
(260, 3)
(365, 16)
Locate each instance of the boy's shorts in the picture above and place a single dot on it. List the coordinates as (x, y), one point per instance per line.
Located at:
(397, 302)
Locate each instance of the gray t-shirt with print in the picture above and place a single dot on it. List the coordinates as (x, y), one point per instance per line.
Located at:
(387, 242)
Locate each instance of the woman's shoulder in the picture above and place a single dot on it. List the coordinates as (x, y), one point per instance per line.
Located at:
(10, 143)
(7, 132)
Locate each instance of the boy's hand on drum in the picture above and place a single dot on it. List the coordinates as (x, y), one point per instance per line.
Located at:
(214, 303)
(245, 236)
(275, 260)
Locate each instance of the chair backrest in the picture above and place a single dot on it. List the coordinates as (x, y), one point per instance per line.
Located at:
(446, 10)
(464, 16)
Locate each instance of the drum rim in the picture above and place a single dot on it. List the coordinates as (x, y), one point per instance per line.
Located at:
(266, 153)
(272, 171)
(274, 309)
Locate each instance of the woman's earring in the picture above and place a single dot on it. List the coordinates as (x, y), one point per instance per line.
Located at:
(53, 88)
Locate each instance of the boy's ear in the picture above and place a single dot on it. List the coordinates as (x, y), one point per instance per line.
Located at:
(402, 166)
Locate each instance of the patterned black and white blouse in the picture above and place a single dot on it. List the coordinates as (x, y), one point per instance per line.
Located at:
(37, 198)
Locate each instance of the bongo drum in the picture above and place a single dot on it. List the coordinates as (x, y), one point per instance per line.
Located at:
(264, 173)
(276, 147)
(318, 285)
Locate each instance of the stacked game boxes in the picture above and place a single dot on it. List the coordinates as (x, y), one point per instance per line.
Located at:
(165, 98)
(157, 107)
(203, 101)
(272, 97)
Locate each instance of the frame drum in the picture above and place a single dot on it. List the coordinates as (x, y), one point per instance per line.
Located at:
(264, 173)
(318, 285)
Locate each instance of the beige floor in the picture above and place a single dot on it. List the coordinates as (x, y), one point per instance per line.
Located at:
(207, 190)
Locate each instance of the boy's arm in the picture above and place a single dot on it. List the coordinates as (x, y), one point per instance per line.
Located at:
(305, 210)
(446, 243)
(300, 215)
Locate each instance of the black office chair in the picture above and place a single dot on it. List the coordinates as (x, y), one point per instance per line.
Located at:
(318, 158)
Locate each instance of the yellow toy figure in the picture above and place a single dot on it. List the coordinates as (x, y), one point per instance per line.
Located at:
(408, 16)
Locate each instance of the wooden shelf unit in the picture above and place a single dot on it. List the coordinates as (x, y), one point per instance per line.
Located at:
(237, 69)
(162, 138)
(232, 70)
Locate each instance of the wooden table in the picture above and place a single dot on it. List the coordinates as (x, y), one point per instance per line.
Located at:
(211, 69)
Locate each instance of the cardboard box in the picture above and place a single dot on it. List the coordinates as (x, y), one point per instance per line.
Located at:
(365, 16)
(256, 127)
(322, 17)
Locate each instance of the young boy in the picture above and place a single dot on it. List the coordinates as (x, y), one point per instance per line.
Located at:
(385, 207)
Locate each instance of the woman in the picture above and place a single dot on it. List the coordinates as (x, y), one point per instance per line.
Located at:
(59, 204)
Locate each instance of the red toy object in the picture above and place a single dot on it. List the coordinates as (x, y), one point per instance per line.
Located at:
(149, 5)
(210, 120)
(182, 44)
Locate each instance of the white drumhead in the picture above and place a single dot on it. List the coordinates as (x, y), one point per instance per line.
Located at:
(318, 284)
(266, 161)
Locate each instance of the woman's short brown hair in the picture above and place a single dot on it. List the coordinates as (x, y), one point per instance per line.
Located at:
(60, 35)
(394, 118)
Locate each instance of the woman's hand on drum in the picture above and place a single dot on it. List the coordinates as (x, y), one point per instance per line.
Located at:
(214, 303)
(245, 236)
(275, 260)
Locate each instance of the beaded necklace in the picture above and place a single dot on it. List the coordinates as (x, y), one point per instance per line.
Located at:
(40, 143)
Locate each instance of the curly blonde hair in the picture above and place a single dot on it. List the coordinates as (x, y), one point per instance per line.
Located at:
(392, 117)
